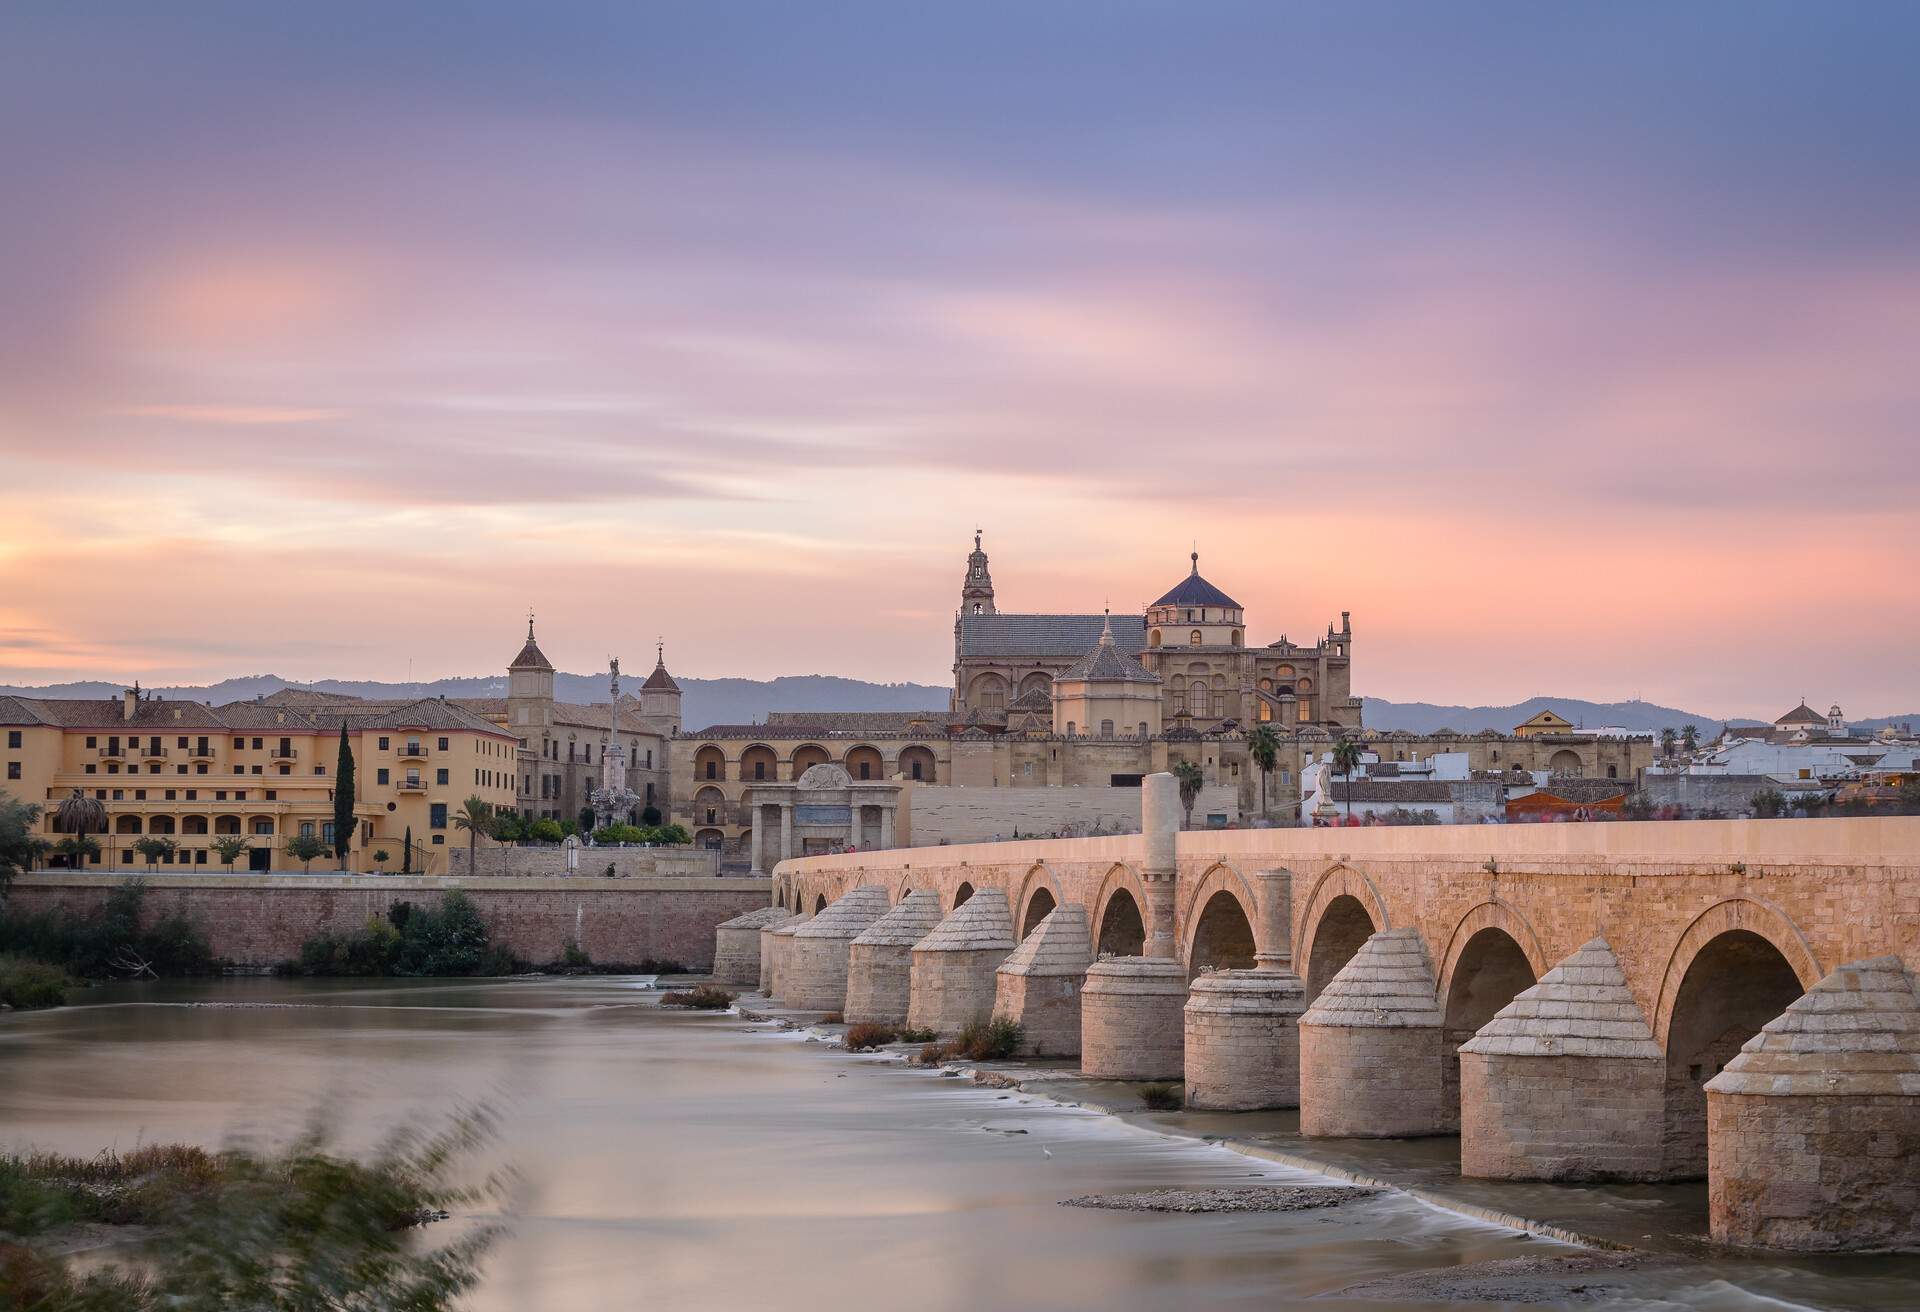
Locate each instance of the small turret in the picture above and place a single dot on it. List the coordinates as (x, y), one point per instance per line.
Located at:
(660, 696)
(976, 594)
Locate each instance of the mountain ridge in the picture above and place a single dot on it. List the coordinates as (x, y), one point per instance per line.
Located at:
(707, 702)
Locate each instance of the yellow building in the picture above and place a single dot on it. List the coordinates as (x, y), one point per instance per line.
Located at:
(191, 773)
(1543, 722)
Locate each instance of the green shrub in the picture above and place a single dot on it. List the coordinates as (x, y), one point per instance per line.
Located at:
(99, 944)
(29, 985)
(575, 955)
(1163, 1097)
(933, 1053)
(865, 1038)
(450, 939)
(707, 997)
(546, 831)
(993, 1040)
(911, 1035)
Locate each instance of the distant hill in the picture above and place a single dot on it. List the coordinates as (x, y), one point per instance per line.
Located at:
(703, 701)
(743, 701)
(1644, 717)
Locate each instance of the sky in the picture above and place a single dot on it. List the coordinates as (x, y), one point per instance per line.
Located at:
(1571, 348)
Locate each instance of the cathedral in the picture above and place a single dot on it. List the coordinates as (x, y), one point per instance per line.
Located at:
(1182, 668)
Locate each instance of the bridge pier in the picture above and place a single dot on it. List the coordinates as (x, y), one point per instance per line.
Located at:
(879, 962)
(1132, 1022)
(1371, 1057)
(736, 946)
(951, 979)
(1565, 1082)
(1814, 1128)
(1039, 985)
(1242, 1026)
(776, 946)
(815, 972)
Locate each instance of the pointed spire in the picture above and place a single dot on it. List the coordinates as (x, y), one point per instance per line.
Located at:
(1106, 628)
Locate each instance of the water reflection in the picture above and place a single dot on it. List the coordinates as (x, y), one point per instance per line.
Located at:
(697, 1162)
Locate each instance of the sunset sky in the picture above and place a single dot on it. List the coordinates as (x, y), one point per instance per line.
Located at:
(1574, 349)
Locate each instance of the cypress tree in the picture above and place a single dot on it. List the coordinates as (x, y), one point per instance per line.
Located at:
(343, 800)
(406, 853)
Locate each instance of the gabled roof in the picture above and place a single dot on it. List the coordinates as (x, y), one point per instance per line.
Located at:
(660, 680)
(1045, 638)
(1196, 591)
(1802, 714)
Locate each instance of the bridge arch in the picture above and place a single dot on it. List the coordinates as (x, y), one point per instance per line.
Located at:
(1343, 909)
(1039, 894)
(1492, 957)
(1119, 918)
(961, 894)
(1221, 947)
(1736, 967)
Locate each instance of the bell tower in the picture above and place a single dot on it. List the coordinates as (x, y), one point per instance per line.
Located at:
(976, 594)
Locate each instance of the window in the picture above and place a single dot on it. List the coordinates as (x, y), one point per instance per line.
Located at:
(272, 796)
(13, 737)
(440, 776)
(437, 816)
(13, 769)
(239, 743)
(1106, 728)
(383, 744)
(170, 795)
(1193, 639)
(263, 825)
(381, 775)
(139, 794)
(92, 769)
(306, 828)
(759, 770)
(181, 743)
(193, 794)
(93, 742)
(179, 769)
(443, 744)
(713, 768)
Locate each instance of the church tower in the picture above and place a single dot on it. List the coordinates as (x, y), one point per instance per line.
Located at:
(529, 689)
(976, 594)
(660, 697)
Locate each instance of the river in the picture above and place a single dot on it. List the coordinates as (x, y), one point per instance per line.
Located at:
(698, 1162)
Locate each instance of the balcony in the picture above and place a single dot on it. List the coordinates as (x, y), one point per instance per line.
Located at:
(412, 783)
(202, 753)
(112, 753)
(283, 754)
(153, 753)
(413, 752)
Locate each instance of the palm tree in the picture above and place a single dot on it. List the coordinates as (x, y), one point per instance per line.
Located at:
(1191, 781)
(80, 814)
(37, 849)
(1690, 736)
(476, 818)
(1263, 745)
(1346, 756)
(1666, 741)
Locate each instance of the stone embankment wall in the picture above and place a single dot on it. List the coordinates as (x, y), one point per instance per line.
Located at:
(551, 862)
(257, 920)
(939, 814)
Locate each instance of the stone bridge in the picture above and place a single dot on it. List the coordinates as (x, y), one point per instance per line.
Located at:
(1573, 999)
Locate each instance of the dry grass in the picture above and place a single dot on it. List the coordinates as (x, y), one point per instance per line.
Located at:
(1163, 1097)
(865, 1038)
(704, 998)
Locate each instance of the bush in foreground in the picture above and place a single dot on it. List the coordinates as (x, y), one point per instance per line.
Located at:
(448, 939)
(704, 998)
(865, 1038)
(1163, 1097)
(910, 1034)
(994, 1040)
(299, 1229)
(28, 985)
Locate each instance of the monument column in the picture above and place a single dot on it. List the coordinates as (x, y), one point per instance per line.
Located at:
(1131, 1025)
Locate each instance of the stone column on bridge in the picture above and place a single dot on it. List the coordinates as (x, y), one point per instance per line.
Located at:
(756, 852)
(814, 977)
(1131, 1021)
(880, 961)
(952, 975)
(1814, 1128)
(1371, 1055)
(1039, 985)
(736, 946)
(770, 950)
(1242, 1035)
(1565, 1082)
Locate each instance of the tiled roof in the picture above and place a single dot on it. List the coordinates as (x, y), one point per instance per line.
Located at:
(1802, 714)
(1196, 591)
(24, 710)
(1393, 790)
(1106, 663)
(660, 680)
(1033, 699)
(530, 657)
(110, 713)
(1043, 638)
(1574, 789)
(856, 721)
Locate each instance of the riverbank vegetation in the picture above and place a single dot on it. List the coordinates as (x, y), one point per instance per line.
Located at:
(300, 1228)
(28, 985)
(991, 1040)
(448, 939)
(117, 940)
(704, 998)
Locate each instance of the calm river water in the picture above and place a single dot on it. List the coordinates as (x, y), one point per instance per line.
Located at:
(700, 1162)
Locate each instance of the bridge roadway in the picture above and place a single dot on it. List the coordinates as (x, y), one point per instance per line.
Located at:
(1610, 971)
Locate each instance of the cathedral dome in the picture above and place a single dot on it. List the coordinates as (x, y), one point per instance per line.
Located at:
(1196, 591)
